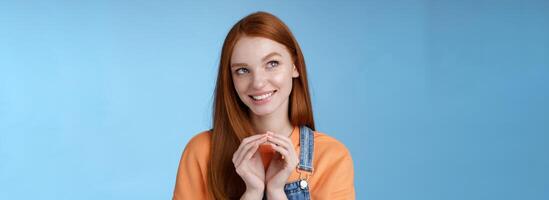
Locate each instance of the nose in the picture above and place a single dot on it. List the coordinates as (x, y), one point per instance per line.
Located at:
(259, 79)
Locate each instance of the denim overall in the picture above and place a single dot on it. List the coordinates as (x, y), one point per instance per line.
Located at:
(299, 190)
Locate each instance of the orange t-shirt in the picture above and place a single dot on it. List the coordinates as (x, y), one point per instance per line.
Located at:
(333, 176)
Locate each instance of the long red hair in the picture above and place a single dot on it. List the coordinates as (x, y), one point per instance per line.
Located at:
(231, 120)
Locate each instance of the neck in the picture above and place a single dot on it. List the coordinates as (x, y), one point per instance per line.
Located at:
(276, 122)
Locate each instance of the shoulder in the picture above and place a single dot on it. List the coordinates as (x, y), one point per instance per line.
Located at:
(324, 141)
(329, 147)
(199, 144)
(200, 139)
(193, 166)
(333, 169)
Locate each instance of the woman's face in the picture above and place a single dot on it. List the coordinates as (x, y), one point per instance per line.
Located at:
(262, 72)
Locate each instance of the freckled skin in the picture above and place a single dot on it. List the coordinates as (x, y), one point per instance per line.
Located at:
(263, 75)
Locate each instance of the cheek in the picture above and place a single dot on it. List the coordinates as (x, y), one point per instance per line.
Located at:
(240, 85)
(282, 80)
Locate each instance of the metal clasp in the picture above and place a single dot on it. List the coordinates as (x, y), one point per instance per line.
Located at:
(304, 181)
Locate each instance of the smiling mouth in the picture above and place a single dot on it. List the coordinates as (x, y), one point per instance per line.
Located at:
(263, 96)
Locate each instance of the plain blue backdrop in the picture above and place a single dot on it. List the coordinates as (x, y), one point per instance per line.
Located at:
(434, 99)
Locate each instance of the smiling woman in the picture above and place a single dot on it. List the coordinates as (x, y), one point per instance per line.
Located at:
(263, 144)
(263, 74)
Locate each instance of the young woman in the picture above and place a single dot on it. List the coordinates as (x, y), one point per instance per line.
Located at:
(263, 144)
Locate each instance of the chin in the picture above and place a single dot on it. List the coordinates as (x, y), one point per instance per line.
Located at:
(261, 111)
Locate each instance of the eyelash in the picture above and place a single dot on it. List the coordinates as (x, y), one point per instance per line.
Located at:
(242, 70)
(239, 71)
(273, 61)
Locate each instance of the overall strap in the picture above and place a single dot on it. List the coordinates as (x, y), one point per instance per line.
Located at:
(306, 142)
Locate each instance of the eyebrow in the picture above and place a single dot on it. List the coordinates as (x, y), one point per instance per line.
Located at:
(264, 59)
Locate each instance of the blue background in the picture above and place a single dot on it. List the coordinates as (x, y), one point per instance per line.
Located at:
(434, 99)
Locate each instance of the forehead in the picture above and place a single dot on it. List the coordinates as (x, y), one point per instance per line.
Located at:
(252, 49)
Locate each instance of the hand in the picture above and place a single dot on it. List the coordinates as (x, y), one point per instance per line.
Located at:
(248, 164)
(282, 165)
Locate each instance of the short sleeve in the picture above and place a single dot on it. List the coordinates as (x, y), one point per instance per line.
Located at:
(342, 183)
(336, 181)
(191, 175)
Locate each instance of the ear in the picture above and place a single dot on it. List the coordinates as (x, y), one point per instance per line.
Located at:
(295, 73)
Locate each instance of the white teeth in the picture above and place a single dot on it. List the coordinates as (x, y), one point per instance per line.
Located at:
(262, 96)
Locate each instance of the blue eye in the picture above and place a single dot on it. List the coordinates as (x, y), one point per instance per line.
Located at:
(273, 63)
(241, 71)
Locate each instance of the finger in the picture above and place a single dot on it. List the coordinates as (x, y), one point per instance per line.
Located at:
(283, 152)
(284, 145)
(248, 155)
(249, 148)
(243, 144)
(252, 138)
(243, 148)
(284, 138)
(280, 142)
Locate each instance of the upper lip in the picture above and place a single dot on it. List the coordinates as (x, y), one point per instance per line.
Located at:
(262, 93)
